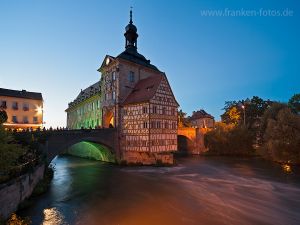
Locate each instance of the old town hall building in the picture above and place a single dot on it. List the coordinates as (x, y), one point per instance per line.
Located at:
(137, 99)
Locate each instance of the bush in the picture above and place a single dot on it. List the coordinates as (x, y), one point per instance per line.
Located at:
(10, 151)
(229, 140)
(16, 220)
(282, 137)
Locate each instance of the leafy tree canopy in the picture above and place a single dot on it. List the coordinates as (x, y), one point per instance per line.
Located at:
(3, 116)
(294, 103)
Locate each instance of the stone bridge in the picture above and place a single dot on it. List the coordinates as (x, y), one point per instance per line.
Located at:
(191, 140)
(57, 142)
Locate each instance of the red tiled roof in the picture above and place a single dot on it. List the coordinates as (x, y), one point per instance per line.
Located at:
(144, 90)
(200, 114)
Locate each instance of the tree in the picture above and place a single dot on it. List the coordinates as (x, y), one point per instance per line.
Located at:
(229, 140)
(271, 113)
(9, 151)
(282, 137)
(182, 120)
(294, 103)
(254, 110)
(3, 116)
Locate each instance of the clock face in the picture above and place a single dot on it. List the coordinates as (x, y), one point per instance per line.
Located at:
(107, 61)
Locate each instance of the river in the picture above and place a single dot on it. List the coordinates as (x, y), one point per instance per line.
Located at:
(208, 191)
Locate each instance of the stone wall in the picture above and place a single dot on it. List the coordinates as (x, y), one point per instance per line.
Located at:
(147, 158)
(193, 141)
(17, 190)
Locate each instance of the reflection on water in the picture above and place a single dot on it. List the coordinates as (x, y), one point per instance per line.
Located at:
(52, 217)
(210, 191)
(287, 168)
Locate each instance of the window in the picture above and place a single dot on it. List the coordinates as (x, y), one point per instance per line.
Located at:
(35, 119)
(14, 119)
(3, 105)
(154, 109)
(164, 110)
(166, 125)
(145, 125)
(15, 106)
(113, 95)
(131, 76)
(114, 75)
(25, 119)
(145, 110)
(174, 125)
(158, 124)
(25, 106)
(173, 112)
(153, 124)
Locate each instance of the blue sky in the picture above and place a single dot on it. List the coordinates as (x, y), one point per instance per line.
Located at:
(56, 46)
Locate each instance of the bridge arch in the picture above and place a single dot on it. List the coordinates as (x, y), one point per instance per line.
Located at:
(185, 144)
(97, 144)
(91, 150)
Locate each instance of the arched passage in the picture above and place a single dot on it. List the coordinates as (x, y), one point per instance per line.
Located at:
(108, 119)
(185, 144)
(91, 150)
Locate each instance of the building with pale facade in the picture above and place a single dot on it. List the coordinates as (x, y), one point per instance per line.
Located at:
(85, 111)
(201, 119)
(24, 109)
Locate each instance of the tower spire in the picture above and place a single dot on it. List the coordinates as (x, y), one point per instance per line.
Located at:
(130, 15)
(131, 35)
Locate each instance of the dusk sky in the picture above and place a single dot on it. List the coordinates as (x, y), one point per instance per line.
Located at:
(56, 46)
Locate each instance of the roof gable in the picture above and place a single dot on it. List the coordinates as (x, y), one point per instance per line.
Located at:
(106, 61)
(144, 90)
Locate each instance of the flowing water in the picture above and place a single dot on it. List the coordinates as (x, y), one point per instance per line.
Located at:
(209, 191)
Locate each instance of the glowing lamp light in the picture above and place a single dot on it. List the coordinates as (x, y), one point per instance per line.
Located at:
(39, 110)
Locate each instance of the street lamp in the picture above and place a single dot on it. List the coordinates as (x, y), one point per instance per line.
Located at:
(244, 108)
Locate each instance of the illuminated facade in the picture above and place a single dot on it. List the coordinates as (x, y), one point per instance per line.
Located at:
(137, 99)
(201, 119)
(24, 109)
(85, 111)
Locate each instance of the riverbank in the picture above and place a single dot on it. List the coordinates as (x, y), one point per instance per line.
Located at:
(19, 192)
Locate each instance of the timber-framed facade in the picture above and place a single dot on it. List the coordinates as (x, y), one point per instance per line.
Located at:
(137, 99)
